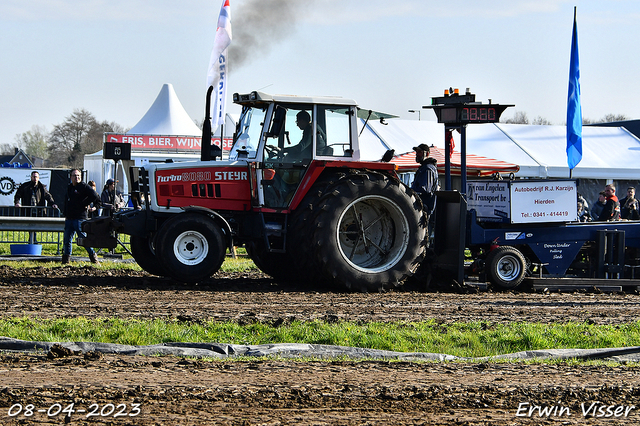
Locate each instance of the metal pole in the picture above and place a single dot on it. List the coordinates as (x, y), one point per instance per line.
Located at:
(463, 160)
(447, 161)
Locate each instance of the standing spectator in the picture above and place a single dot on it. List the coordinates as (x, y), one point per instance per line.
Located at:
(629, 203)
(585, 203)
(611, 210)
(33, 193)
(634, 210)
(112, 199)
(598, 206)
(583, 214)
(79, 197)
(92, 211)
(425, 182)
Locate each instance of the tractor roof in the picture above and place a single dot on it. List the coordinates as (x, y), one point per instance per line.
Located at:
(256, 98)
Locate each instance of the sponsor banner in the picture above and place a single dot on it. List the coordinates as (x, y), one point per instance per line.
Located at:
(165, 142)
(543, 201)
(11, 179)
(490, 199)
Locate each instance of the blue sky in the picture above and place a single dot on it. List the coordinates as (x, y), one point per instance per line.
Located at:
(112, 57)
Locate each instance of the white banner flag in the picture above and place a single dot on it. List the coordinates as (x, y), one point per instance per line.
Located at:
(217, 73)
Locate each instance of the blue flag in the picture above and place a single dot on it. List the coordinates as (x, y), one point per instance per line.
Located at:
(574, 110)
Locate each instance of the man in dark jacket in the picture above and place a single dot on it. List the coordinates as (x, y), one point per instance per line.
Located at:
(79, 197)
(303, 148)
(33, 193)
(629, 206)
(425, 181)
(598, 205)
(611, 210)
(112, 199)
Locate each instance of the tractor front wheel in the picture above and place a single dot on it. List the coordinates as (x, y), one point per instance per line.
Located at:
(191, 247)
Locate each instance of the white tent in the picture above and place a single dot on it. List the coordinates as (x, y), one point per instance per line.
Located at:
(607, 152)
(540, 151)
(166, 116)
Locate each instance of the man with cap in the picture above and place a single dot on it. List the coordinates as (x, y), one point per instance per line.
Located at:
(112, 199)
(425, 182)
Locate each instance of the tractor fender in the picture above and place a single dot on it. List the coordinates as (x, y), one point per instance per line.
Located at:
(217, 217)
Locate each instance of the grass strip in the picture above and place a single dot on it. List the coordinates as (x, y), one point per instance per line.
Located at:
(474, 339)
(242, 263)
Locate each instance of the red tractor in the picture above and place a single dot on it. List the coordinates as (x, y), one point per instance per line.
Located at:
(293, 191)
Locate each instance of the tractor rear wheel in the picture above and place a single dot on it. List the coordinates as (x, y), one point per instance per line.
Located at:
(277, 265)
(369, 233)
(144, 253)
(302, 262)
(191, 247)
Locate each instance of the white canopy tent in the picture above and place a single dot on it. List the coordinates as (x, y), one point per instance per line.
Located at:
(540, 151)
(165, 117)
(607, 152)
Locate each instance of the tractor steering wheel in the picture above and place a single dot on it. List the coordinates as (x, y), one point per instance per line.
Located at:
(273, 151)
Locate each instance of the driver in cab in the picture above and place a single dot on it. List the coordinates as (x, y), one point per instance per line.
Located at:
(303, 148)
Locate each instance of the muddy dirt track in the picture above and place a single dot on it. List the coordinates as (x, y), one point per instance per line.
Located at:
(122, 390)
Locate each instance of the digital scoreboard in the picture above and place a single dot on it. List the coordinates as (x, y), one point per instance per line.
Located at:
(453, 108)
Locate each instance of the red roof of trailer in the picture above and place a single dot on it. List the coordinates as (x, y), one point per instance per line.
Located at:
(476, 164)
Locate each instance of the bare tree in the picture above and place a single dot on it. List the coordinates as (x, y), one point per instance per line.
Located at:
(7, 149)
(68, 138)
(78, 135)
(95, 136)
(541, 121)
(613, 117)
(519, 117)
(34, 141)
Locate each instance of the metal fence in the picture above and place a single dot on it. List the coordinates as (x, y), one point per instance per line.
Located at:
(31, 225)
(40, 225)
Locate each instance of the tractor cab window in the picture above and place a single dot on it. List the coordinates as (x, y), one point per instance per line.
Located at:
(248, 133)
(290, 137)
(288, 151)
(334, 137)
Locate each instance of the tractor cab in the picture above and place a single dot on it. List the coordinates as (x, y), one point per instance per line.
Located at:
(282, 135)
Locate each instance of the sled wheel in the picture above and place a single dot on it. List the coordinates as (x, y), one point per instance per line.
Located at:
(506, 267)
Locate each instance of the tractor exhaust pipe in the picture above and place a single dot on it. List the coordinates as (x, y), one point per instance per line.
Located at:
(205, 148)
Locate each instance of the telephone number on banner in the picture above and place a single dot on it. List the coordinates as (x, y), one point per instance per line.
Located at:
(545, 214)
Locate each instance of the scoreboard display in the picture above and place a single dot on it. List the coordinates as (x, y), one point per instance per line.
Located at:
(463, 109)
